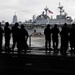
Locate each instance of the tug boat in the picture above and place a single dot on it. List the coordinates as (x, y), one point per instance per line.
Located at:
(37, 34)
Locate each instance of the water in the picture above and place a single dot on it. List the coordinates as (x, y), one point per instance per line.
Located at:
(37, 41)
(40, 42)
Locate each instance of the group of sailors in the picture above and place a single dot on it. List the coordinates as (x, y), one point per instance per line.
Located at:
(19, 37)
(67, 35)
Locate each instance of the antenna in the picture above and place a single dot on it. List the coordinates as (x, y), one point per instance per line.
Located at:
(60, 9)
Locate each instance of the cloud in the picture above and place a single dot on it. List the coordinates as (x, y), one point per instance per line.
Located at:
(25, 9)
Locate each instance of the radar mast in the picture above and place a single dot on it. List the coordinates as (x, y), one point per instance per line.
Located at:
(60, 9)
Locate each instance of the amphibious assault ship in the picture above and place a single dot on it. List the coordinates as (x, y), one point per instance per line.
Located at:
(44, 19)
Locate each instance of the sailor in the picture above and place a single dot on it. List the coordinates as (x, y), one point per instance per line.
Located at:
(47, 33)
(55, 32)
(1, 37)
(7, 32)
(72, 37)
(15, 33)
(22, 41)
(64, 38)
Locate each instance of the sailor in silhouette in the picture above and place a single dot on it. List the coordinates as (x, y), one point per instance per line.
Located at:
(1, 37)
(72, 38)
(47, 33)
(55, 32)
(64, 38)
(15, 34)
(7, 33)
(22, 41)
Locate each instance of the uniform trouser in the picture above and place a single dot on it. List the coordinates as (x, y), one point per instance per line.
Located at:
(64, 45)
(55, 41)
(46, 44)
(21, 45)
(14, 43)
(55, 44)
(0, 44)
(7, 43)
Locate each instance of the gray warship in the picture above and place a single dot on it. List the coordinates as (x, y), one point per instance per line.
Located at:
(44, 19)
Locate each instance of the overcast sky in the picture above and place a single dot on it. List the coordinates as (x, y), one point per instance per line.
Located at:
(25, 9)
